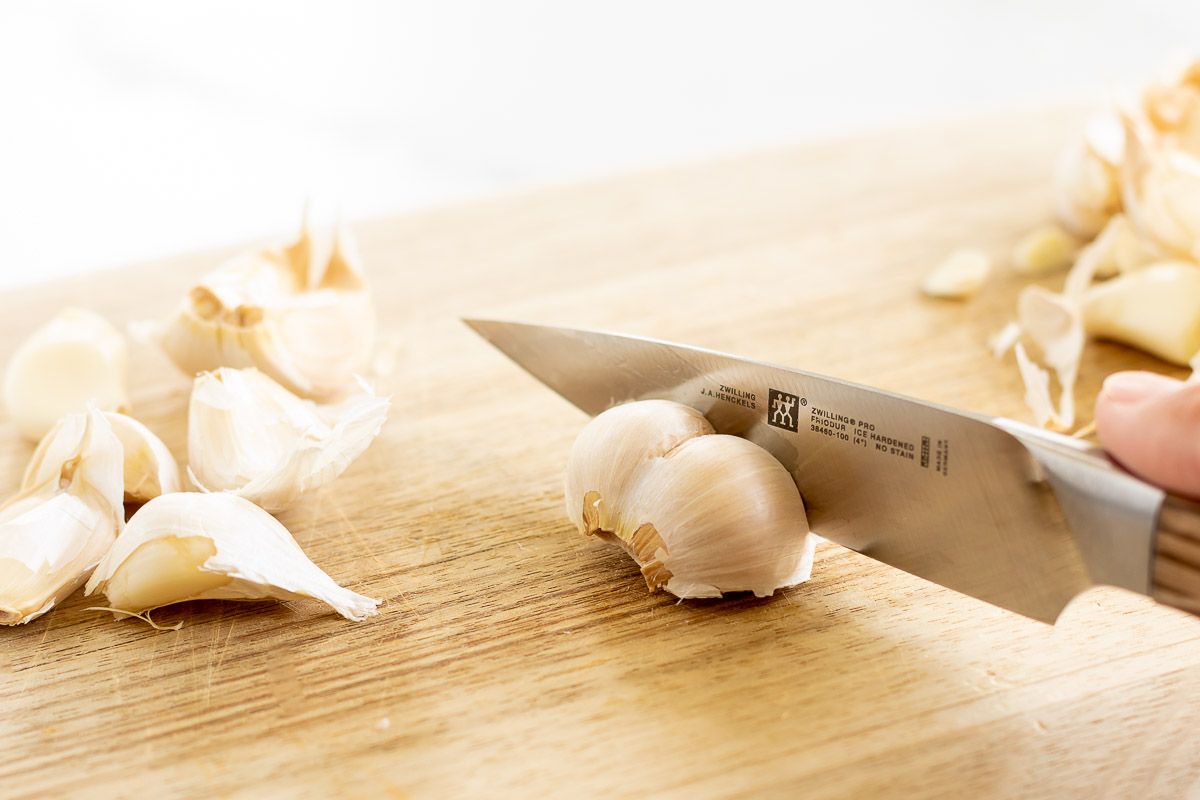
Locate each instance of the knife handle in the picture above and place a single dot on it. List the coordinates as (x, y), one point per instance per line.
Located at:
(1176, 577)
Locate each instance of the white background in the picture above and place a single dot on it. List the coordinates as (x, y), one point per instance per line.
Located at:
(135, 129)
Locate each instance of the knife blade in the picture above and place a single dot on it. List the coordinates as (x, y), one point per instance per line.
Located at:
(1012, 515)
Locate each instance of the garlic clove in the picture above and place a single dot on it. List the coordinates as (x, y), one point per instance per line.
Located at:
(1086, 180)
(67, 514)
(301, 313)
(250, 436)
(959, 276)
(1162, 194)
(1172, 108)
(74, 359)
(701, 513)
(150, 469)
(1156, 309)
(193, 546)
(1044, 250)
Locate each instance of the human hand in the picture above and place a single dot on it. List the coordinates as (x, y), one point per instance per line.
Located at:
(1151, 425)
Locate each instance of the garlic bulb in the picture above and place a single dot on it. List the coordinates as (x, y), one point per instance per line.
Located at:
(63, 520)
(701, 513)
(301, 314)
(1156, 309)
(1087, 190)
(1172, 108)
(191, 546)
(1162, 194)
(250, 436)
(959, 276)
(75, 358)
(150, 469)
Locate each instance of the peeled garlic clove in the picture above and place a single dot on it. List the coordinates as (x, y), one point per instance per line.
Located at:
(192, 546)
(959, 276)
(64, 519)
(1051, 324)
(1044, 250)
(1156, 309)
(1162, 194)
(75, 358)
(701, 513)
(301, 314)
(1086, 181)
(250, 436)
(150, 469)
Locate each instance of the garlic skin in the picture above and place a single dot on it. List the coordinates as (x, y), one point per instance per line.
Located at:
(1052, 326)
(74, 359)
(1172, 108)
(302, 314)
(250, 436)
(65, 517)
(959, 276)
(1156, 309)
(701, 513)
(150, 469)
(1086, 179)
(1162, 194)
(192, 546)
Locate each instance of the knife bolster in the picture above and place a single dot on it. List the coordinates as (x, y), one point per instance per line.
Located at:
(1176, 576)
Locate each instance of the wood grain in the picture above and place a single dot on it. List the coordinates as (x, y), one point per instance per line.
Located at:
(515, 658)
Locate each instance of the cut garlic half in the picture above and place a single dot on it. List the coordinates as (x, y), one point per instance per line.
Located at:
(192, 546)
(66, 516)
(1156, 309)
(150, 469)
(250, 436)
(301, 314)
(75, 359)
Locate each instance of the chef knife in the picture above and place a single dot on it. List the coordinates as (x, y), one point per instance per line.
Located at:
(1007, 513)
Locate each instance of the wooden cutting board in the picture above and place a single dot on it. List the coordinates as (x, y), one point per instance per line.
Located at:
(515, 658)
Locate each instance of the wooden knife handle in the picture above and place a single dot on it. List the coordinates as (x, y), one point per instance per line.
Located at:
(1176, 579)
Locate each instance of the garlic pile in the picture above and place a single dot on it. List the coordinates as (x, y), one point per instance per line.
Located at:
(301, 314)
(250, 436)
(1133, 186)
(191, 546)
(701, 513)
(75, 359)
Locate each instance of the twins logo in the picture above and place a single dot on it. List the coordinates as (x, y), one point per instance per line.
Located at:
(781, 410)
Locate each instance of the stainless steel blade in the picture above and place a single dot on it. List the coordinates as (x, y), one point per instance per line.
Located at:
(988, 507)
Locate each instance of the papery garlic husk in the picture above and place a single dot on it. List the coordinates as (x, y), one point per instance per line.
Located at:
(65, 517)
(959, 276)
(1051, 325)
(302, 314)
(150, 469)
(1172, 108)
(250, 436)
(1161, 188)
(1119, 248)
(1087, 178)
(75, 359)
(193, 546)
(1156, 309)
(701, 513)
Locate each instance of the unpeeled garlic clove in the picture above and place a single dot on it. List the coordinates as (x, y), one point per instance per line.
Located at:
(65, 517)
(1086, 180)
(959, 276)
(701, 513)
(302, 314)
(1161, 188)
(250, 436)
(150, 469)
(1156, 309)
(193, 546)
(75, 359)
